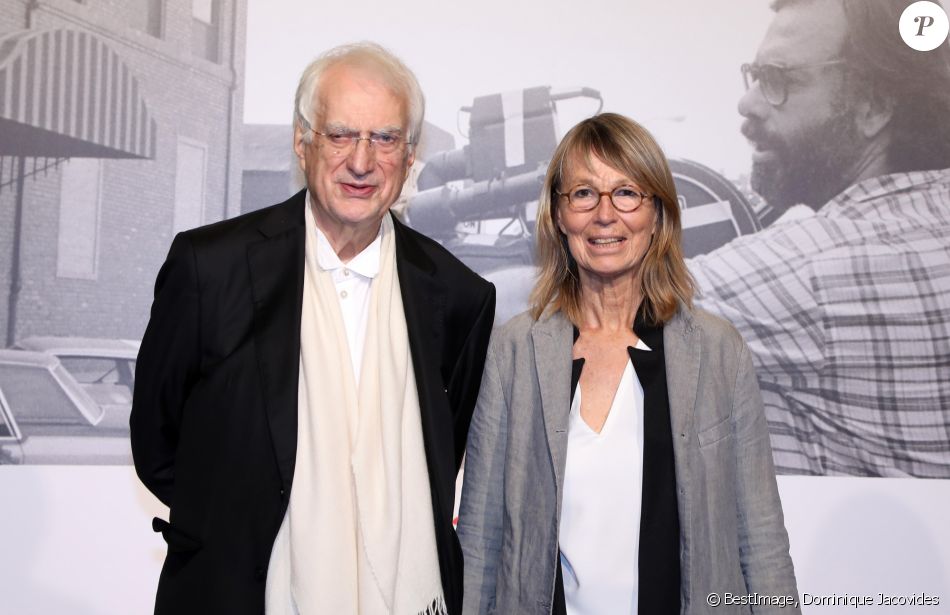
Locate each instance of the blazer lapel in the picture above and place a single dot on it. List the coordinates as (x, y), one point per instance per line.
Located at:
(552, 338)
(276, 264)
(423, 300)
(682, 344)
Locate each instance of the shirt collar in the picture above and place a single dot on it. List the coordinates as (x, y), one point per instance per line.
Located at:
(366, 263)
(883, 185)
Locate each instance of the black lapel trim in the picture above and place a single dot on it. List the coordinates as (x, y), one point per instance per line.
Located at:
(659, 556)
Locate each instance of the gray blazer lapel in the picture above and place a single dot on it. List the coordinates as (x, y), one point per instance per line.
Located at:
(552, 338)
(682, 346)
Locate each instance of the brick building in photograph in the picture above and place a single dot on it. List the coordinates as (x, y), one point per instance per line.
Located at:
(120, 124)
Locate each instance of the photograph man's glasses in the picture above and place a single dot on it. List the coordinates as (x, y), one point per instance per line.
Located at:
(772, 79)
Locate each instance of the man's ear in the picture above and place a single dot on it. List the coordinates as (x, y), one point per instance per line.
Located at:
(300, 146)
(410, 159)
(873, 112)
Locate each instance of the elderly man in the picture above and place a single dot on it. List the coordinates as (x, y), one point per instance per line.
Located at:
(846, 302)
(307, 378)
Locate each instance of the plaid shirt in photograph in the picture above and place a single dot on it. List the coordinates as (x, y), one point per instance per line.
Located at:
(847, 314)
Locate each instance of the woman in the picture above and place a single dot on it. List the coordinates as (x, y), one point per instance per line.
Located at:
(618, 460)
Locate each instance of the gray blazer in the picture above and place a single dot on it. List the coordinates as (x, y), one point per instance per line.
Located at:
(733, 537)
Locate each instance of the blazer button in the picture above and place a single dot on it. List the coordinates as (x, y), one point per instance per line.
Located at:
(260, 573)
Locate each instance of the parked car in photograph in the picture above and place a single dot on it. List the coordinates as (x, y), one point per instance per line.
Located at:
(49, 418)
(104, 367)
(9, 435)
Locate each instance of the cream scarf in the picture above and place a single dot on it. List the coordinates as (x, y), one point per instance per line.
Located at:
(361, 538)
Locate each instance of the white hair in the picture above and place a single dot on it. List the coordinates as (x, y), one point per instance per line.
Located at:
(393, 73)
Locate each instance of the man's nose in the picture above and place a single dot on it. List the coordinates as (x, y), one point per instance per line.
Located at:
(362, 157)
(753, 103)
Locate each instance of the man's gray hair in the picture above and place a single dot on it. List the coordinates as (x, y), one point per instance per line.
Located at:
(380, 61)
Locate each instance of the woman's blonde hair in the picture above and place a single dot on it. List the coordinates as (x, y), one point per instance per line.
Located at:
(629, 148)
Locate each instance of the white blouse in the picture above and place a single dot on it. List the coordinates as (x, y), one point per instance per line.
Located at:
(600, 510)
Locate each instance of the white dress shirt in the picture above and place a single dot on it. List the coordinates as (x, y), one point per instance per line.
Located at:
(353, 281)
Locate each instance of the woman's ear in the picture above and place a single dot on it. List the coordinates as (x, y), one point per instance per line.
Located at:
(556, 216)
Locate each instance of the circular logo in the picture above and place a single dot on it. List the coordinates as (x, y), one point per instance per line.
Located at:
(924, 26)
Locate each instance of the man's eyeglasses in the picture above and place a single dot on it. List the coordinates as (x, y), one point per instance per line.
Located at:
(344, 141)
(772, 79)
(583, 198)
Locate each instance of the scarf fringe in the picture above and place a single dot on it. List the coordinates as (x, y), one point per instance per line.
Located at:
(436, 608)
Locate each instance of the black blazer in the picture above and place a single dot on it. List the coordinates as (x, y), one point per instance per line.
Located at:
(214, 414)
